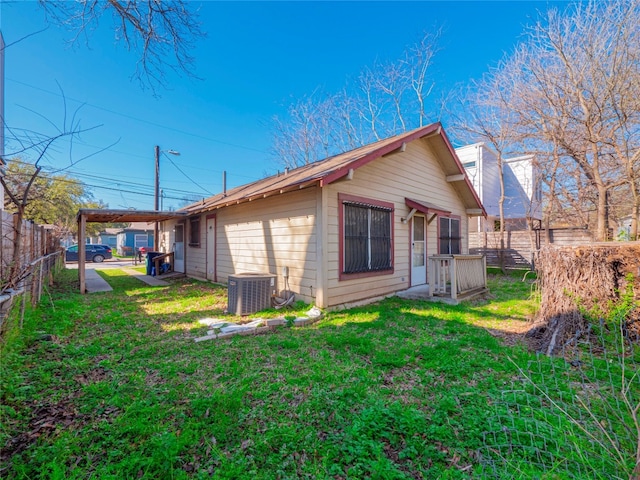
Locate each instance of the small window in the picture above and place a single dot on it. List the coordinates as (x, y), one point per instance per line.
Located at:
(194, 232)
(450, 239)
(179, 229)
(469, 164)
(538, 190)
(141, 240)
(367, 242)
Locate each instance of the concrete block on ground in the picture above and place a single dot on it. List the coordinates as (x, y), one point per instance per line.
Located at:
(254, 323)
(206, 337)
(226, 335)
(209, 322)
(274, 322)
(235, 328)
(217, 327)
(302, 321)
(248, 331)
(255, 331)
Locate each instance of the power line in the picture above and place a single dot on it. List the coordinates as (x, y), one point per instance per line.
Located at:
(147, 157)
(192, 181)
(134, 192)
(110, 180)
(183, 132)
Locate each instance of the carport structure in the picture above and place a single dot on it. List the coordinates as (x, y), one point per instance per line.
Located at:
(87, 215)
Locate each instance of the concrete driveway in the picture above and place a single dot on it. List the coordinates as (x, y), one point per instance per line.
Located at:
(95, 283)
(111, 263)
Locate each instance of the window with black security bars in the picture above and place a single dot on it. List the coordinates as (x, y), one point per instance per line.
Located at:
(367, 238)
(194, 232)
(450, 239)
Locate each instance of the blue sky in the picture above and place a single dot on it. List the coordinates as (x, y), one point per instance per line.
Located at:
(256, 59)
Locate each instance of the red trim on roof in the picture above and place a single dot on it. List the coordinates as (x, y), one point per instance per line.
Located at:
(461, 168)
(425, 207)
(379, 152)
(326, 172)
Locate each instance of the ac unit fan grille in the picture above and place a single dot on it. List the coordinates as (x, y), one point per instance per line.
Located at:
(250, 293)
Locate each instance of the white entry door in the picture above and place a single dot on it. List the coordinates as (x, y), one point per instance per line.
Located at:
(418, 251)
(211, 249)
(178, 249)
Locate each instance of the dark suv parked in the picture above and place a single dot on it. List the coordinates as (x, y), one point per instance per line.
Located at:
(94, 253)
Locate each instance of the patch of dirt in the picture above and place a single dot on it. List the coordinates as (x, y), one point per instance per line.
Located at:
(100, 358)
(92, 376)
(152, 378)
(401, 383)
(512, 333)
(46, 419)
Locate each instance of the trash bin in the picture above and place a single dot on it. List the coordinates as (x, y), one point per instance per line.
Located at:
(150, 257)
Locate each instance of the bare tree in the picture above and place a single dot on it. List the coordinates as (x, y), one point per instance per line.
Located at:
(372, 105)
(306, 135)
(418, 60)
(485, 115)
(34, 148)
(385, 99)
(18, 188)
(579, 77)
(159, 30)
(348, 133)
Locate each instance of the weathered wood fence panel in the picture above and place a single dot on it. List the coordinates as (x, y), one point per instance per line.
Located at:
(520, 245)
(37, 241)
(39, 256)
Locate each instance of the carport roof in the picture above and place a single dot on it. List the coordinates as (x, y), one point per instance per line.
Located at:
(86, 215)
(115, 216)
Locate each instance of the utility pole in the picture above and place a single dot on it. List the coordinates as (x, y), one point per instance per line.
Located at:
(156, 196)
(156, 230)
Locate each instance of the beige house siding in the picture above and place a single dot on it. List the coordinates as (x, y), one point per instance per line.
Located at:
(300, 229)
(196, 256)
(414, 173)
(267, 235)
(167, 236)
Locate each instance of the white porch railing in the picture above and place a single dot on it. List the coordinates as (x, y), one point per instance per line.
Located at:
(456, 275)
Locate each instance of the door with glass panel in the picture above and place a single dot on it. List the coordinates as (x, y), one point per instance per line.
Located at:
(418, 250)
(178, 249)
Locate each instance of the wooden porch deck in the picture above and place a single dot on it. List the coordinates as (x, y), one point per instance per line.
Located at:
(452, 278)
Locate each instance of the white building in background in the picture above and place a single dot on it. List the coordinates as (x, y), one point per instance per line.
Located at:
(523, 193)
(623, 232)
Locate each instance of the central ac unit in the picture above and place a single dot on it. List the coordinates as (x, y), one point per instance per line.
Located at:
(250, 292)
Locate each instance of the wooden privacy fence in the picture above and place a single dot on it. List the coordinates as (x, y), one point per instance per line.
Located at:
(37, 241)
(457, 275)
(521, 245)
(39, 257)
(34, 277)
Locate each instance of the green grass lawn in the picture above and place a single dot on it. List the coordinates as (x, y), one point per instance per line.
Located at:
(397, 389)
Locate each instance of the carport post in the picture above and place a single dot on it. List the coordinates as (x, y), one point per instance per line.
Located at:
(82, 223)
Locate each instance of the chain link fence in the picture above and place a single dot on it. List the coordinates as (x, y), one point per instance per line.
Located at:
(572, 415)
